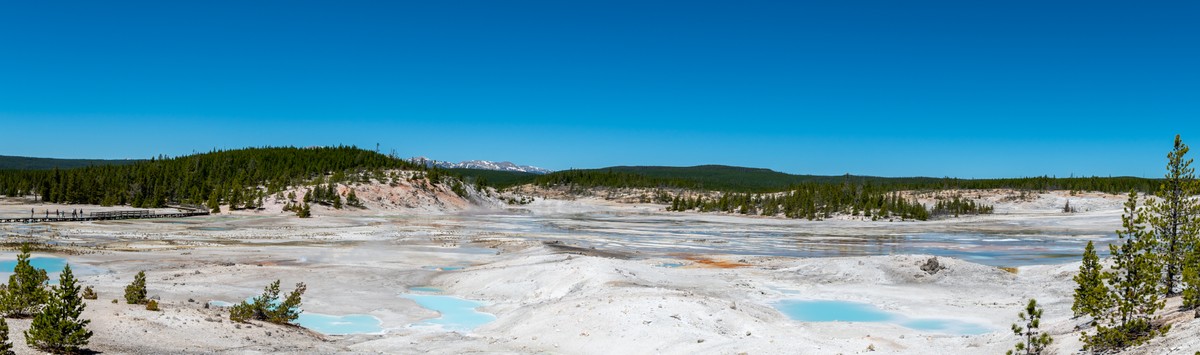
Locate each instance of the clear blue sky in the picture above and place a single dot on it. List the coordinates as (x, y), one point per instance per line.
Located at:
(893, 88)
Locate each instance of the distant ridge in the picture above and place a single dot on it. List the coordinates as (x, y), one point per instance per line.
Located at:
(481, 165)
(8, 162)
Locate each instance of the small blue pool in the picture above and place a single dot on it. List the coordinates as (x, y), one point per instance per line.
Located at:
(50, 264)
(444, 268)
(457, 314)
(340, 325)
(842, 311)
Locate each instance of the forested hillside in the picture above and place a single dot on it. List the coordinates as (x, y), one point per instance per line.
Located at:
(29, 163)
(232, 176)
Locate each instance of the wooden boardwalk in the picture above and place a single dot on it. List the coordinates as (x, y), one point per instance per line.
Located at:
(106, 216)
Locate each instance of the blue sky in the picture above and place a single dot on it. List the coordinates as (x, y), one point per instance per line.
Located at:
(892, 88)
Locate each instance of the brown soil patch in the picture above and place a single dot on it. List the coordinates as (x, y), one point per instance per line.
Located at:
(721, 264)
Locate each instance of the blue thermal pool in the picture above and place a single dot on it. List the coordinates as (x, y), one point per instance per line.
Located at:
(340, 325)
(842, 311)
(50, 264)
(457, 314)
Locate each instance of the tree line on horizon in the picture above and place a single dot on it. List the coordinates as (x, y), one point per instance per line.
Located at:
(698, 179)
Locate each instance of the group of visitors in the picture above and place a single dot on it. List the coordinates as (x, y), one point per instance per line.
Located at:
(75, 213)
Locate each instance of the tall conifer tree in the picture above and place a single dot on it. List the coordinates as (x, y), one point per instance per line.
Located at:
(1091, 296)
(1134, 288)
(1174, 217)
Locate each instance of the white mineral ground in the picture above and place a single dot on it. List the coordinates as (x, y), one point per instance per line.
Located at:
(548, 299)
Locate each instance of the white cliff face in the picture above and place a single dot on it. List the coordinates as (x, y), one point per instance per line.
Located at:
(482, 164)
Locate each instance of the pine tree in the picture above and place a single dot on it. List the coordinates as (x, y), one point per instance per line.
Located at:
(58, 328)
(1134, 287)
(352, 200)
(135, 292)
(1191, 276)
(26, 289)
(6, 346)
(1174, 216)
(214, 205)
(268, 307)
(1090, 295)
(288, 310)
(1033, 340)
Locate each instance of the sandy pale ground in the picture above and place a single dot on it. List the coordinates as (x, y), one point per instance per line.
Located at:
(567, 297)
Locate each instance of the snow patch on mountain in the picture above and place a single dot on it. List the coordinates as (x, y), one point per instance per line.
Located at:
(481, 164)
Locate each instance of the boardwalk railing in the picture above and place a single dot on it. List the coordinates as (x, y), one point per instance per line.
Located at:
(108, 215)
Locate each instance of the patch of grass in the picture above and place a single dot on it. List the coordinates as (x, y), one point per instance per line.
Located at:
(1011, 270)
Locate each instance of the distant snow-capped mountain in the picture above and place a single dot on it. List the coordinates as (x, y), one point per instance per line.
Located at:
(481, 164)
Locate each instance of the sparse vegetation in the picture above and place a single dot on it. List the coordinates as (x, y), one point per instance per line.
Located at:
(1033, 339)
(135, 293)
(89, 293)
(152, 305)
(1067, 208)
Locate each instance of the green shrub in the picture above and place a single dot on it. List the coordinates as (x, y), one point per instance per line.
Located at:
(135, 293)
(89, 293)
(152, 305)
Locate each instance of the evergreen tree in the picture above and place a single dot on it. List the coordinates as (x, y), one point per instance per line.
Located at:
(6, 346)
(58, 328)
(1174, 216)
(135, 292)
(303, 211)
(26, 289)
(268, 307)
(1134, 287)
(1033, 340)
(352, 200)
(288, 310)
(213, 205)
(1090, 293)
